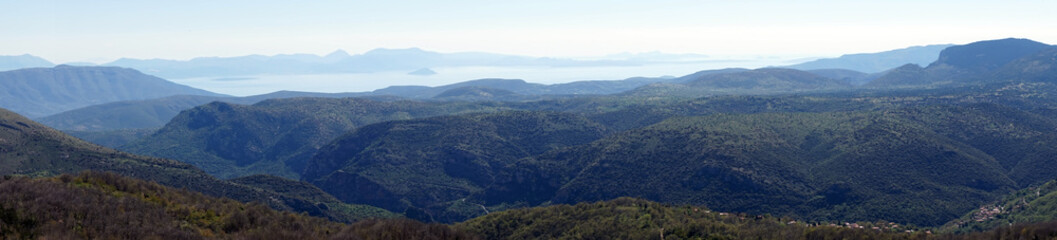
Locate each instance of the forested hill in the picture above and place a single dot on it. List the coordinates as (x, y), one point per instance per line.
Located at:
(95, 205)
(971, 64)
(441, 161)
(30, 149)
(275, 136)
(1037, 203)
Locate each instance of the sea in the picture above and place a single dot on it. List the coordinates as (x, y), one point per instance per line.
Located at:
(363, 82)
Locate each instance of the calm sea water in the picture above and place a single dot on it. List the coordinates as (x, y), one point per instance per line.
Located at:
(360, 82)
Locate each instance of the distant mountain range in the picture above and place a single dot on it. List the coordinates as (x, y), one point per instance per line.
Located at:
(154, 113)
(377, 60)
(973, 63)
(150, 109)
(37, 92)
(23, 61)
(412, 59)
(877, 62)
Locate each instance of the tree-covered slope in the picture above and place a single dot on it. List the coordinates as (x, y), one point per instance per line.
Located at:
(429, 163)
(768, 79)
(111, 138)
(1034, 68)
(28, 148)
(38, 92)
(984, 56)
(629, 218)
(1022, 143)
(758, 81)
(826, 165)
(852, 77)
(920, 165)
(31, 149)
(974, 63)
(303, 195)
(275, 136)
(156, 112)
(808, 157)
(1030, 205)
(94, 205)
(104, 205)
(132, 114)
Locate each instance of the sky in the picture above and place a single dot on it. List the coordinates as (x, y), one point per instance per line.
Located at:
(103, 31)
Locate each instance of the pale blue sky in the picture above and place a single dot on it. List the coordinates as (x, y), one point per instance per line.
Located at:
(98, 31)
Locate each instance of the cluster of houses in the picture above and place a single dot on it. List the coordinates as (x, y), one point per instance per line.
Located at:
(882, 226)
(987, 212)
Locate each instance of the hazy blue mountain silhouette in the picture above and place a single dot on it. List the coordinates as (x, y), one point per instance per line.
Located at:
(22, 61)
(36, 92)
(877, 62)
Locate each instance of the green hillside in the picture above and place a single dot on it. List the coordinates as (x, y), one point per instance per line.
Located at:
(276, 136)
(433, 162)
(94, 205)
(311, 197)
(922, 165)
(628, 218)
(974, 63)
(134, 114)
(30, 149)
(156, 112)
(89, 205)
(111, 138)
(758, 81)
(1030, 205)
(829, 166)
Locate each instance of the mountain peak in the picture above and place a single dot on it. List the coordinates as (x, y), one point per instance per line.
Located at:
(22, 61)
(338, 54)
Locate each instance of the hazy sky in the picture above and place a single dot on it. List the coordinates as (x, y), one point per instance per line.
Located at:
(98, 31)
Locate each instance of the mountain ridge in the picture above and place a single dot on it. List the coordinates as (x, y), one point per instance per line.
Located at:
(339, 61)
(38, 92)
(962, 65)
(879, 61)
(23, 61)
(275, 136)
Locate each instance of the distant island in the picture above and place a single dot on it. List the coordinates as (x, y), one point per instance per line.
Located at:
(422, 72)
